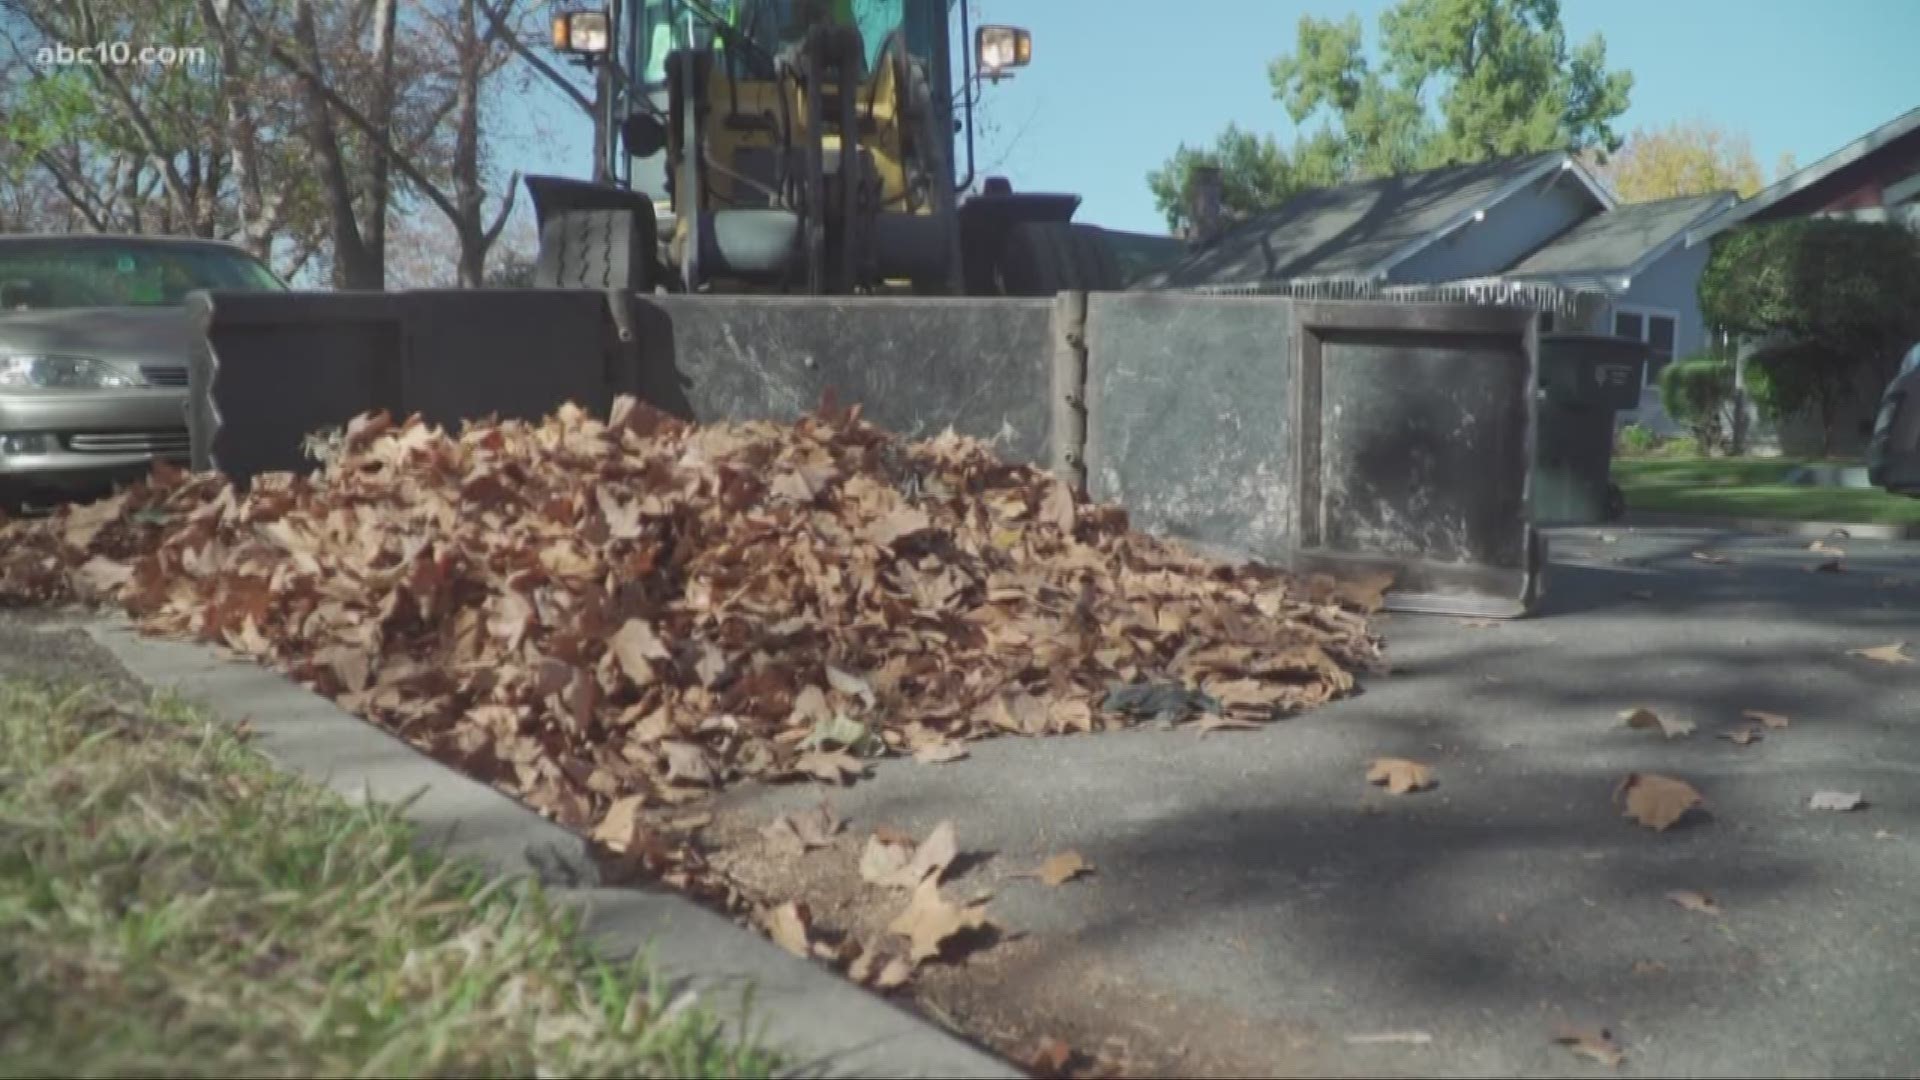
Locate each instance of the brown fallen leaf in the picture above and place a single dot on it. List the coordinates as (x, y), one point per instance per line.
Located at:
(1743, 736)
(687, 763)
(832, 766)
(1773, 721)
(930, 860)
(1595, 1043)
(1212, 722)
(1656, 801)
(1836, 800)
(1821, 547)
(1647, 718)
(797, 834)
(880, 969)
(930, 923)
(791, 927)
(1895, 653)
(936, 753)
(882, 858)
(1399, 775)
(1059, 869)
(1695, 901)
(1053, 1058)
(1712, 558)
(1649, 967)
(621, 823)
(1480, 624)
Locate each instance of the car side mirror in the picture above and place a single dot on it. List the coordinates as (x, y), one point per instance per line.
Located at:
(643, 135)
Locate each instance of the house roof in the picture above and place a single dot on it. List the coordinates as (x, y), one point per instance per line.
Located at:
(1362, 229)
(1897, 128)
(1623, 241)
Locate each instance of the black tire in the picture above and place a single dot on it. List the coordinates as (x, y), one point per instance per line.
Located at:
(1616, 503)
(598, 249)
(1042, 258)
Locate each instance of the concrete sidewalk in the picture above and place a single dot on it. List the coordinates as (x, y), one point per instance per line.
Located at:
(832, 1027)
(1257, 905)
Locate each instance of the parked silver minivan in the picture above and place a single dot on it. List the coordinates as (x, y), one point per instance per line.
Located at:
(1893, 455)
(94, 344)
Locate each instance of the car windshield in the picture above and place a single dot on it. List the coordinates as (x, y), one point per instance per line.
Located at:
(52, 275)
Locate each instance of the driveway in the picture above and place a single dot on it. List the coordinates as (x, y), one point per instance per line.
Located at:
(1256, 906)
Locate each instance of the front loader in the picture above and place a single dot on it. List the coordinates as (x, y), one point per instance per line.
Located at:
(727, 167)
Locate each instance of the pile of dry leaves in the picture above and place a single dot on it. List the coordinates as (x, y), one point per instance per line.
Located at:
(605, 618)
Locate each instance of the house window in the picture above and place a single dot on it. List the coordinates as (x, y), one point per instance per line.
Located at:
(1656, 328)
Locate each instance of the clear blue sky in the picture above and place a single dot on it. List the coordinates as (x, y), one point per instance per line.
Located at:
(1116, 85)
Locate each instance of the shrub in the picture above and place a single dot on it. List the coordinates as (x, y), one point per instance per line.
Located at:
(1634, 440)
(1698, 392)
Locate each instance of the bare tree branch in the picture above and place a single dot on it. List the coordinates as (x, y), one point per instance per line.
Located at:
(533, 59)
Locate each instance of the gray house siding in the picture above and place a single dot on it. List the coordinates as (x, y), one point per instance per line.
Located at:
(1514, 227)
(1670, 285)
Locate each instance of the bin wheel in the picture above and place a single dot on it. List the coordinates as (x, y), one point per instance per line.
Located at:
(1616, 503)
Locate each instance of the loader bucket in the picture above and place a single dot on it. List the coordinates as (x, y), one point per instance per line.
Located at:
(1347, 438)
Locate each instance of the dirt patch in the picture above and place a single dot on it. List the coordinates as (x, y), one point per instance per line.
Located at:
(1020, 991)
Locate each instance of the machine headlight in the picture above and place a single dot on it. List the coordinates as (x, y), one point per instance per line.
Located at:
(34, 372)
(999, 49)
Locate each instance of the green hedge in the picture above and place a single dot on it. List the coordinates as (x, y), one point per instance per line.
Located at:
(1698, 392)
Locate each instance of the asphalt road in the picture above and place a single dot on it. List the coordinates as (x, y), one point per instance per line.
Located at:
(1253, 880)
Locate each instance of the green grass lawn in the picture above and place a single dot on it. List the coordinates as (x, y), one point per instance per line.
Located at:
(172, 905)
(1750, 487)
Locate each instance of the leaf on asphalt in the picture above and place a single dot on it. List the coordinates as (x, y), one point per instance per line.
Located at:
(931, 859)
(797, 834)
(931, 924)
(791, 927)
(1743, 736)
(1656, 801)
(1647, 718)
(1594, 1043)
(1212, 722)
(1895, 653)
(1772, 721)
(882, 858)
(1695, 901)
(1649, 967)
(1836, 800)
(1059, 869)
(1821, 547)
(832, 766)
(937, 753)
(1052, 1058)
(1480, 624)
(620, 824)
(880, 969)
(1399, 775)
(1712, 558)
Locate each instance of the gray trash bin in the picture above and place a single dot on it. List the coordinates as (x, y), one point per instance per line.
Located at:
(1585, 379)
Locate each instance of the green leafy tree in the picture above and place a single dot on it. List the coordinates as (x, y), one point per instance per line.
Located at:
(1456, 81)
(1255, 173)
(1834, 301)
